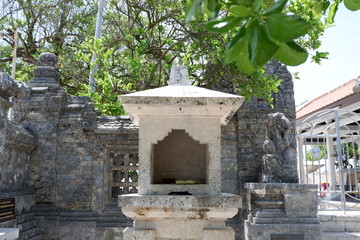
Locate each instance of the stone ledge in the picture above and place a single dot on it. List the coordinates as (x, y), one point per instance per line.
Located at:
(285, 186)
(178, 201)
(19, 137)
(146, 213)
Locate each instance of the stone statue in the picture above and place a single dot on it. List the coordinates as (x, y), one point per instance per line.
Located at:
(279, 162)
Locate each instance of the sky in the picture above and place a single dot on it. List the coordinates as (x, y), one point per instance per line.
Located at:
(343, 43)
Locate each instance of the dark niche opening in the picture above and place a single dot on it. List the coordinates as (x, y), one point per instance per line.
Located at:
(179, 159)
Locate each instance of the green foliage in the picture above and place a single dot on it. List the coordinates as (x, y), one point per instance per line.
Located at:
(140, 41)
(260, 29)
(352, 5)
(291, 54)
(265, 29)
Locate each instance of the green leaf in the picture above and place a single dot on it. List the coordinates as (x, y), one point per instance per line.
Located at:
(238, 52)
(284, 27)
(231, 51)
(224, 25)
(239, 11)
(257, 5)
(193, 9)
(236, 38)
(291, 54)
(332, 12)
(211, 5)
(317, 9)
(352, 5)
(277, 7)
(262, 49)
(326, 5)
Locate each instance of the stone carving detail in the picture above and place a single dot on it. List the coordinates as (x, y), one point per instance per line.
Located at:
(179, 76)
(88, 115)
(44, 187)
(47, 59)
(9, 90)
(45, 73)
(279, 162)
(81, 197)
(124, 173)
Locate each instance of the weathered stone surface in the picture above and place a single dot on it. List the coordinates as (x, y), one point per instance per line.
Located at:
(9, 233)
(45, 73)
(113, 233)
(77, 152)
(219, 234)
(143, 234)
(179, 76)
(176, 201)
(186, 223)
(281, 208)
(252, 118)
(186, 149)
(280, 160)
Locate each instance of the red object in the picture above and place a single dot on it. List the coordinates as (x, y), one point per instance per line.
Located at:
(324, 187)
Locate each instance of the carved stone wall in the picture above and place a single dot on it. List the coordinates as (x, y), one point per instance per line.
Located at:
(252, 120)
(16, 143)
(82, 161)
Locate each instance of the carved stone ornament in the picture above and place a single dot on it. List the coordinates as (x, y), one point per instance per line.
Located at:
(279, 162)
(47, 59)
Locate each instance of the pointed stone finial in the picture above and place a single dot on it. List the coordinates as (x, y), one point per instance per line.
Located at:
(45, 74)
(47, 59)
(179, 76)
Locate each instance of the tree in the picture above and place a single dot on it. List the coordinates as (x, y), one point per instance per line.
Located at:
(141, 39)
(265, 29)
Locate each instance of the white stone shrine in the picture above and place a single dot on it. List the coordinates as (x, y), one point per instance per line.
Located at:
(180, 162)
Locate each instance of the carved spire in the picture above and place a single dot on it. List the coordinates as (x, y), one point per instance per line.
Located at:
(179, 76)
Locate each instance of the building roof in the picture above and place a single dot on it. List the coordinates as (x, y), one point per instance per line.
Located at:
(328, 99)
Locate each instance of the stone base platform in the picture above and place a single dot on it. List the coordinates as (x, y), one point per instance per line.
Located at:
(162, 217)
(282, 211)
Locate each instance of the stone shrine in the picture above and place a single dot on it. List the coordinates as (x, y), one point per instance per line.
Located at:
(279, 207)
(63, 166)
(179, 162)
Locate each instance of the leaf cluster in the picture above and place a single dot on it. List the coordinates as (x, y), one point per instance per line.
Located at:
(140, 41)
(264, 29)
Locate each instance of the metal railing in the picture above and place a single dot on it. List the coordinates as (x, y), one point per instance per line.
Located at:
(328, 155)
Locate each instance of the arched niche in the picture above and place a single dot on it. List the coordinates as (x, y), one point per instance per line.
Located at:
(178, 158)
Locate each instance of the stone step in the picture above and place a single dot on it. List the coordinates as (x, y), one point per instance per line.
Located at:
(340, 236)
(37, 237)
(339, 222)
(285, 220)
(27, 226)
(29, 233)
(24, 217)
(113, 224)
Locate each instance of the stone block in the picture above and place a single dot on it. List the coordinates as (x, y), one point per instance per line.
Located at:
(24, 203)
(138, 234)
(219, 234)
(9, 233)
(76, 230)
(113, 233)
(301, 203)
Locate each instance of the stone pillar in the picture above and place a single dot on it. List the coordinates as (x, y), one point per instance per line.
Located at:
(281, 211)
(164, 217)
(42, 118)
(179, 162)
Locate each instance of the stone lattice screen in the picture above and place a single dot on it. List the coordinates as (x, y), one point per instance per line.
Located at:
(124, 173)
